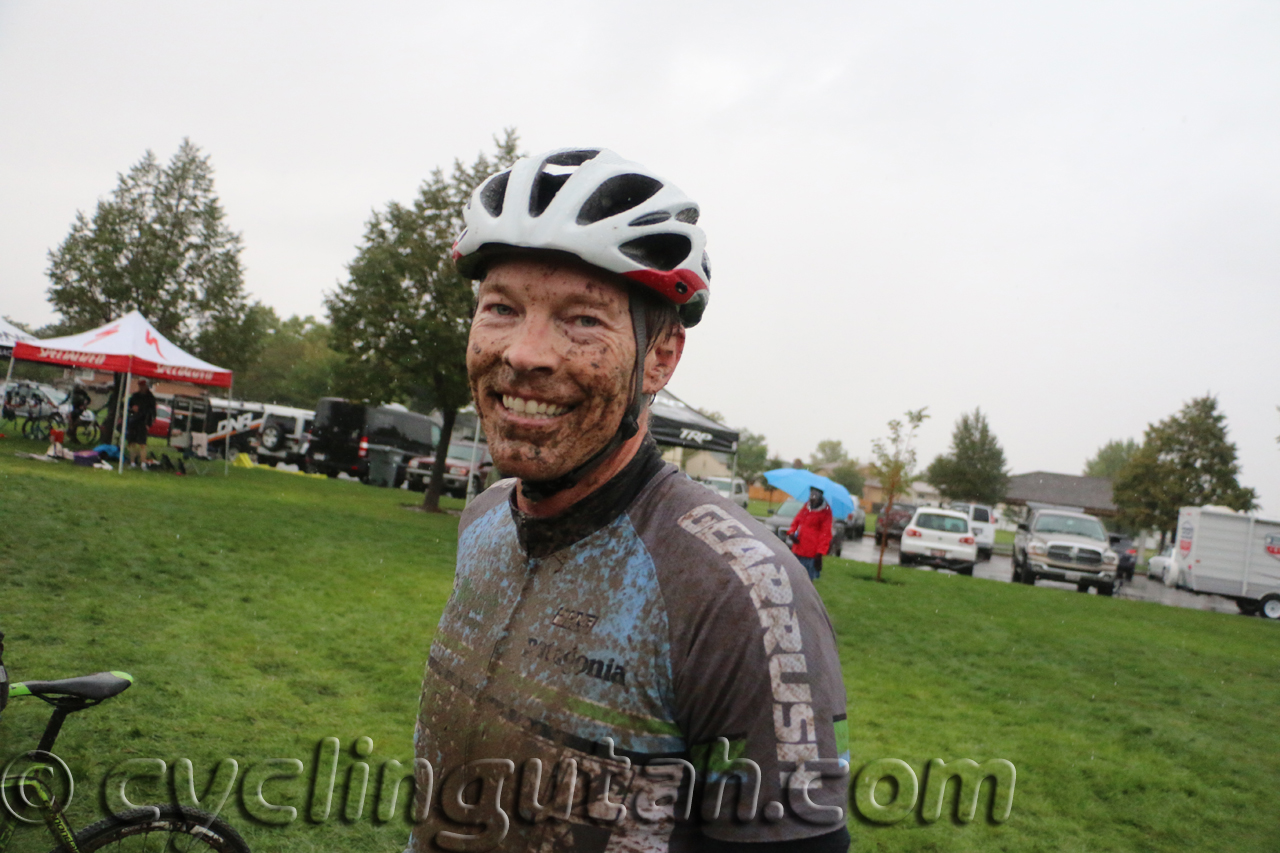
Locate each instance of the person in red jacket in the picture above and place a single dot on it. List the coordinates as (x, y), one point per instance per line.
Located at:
(810, 533)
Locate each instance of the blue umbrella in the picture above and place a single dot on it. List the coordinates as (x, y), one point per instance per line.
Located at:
(797, 482)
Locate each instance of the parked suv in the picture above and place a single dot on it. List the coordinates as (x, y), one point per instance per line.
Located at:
(982, 524)
(344, 430)
(1062, 545)
(780, 523)
(457, 467)
(855, 523)
(894, 522)
(1127, 552)
(283, 437)
(939, 538)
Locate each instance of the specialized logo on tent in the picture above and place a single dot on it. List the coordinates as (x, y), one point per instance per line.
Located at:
(72, 355)
(1273, 545)
(154, 342)
(107, 332)
(168, 370)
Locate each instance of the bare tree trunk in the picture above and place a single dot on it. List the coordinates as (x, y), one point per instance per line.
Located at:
(885, 512)
(431, 500)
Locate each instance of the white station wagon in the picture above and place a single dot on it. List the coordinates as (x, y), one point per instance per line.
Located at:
(940, 538)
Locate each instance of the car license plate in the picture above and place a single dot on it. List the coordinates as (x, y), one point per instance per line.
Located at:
(1071, 576)
(937, 552)
(318, 456)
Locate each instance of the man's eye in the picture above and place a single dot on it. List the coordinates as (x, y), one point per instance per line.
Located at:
(502, 310)
(587, 321)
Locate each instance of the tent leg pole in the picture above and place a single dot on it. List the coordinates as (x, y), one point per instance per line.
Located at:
(9, 376)
(226, 449)
(475, 455)
(124, 422)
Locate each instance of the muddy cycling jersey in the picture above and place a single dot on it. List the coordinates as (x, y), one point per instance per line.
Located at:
(651, 653)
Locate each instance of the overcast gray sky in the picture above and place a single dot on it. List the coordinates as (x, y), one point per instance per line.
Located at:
(1067, 213)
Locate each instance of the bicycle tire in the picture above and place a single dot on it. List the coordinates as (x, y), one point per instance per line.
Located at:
(35, 429)
(84, 433)
(161, 828)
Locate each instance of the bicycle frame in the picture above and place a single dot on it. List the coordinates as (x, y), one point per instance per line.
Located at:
(33, 792)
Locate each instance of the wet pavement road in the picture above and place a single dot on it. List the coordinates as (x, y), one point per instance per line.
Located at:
(1001, 569)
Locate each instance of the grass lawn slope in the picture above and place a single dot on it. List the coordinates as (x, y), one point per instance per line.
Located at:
(262, 613)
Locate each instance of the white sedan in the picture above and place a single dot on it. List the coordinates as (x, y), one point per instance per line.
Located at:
(1158, 567)
(941, 538)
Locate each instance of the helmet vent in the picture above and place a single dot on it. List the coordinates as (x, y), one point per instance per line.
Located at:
(650, 219)
(494, 193)
(545, 187)
(706, 265)
(556, 169)
(618, 195)
(658, 251)
(572, 158)
(689, 215)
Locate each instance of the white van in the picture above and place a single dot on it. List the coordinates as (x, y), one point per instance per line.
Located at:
(1223, 552)
(982, 525)
(735, 490)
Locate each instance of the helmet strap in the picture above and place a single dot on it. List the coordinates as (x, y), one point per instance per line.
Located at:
(540, 490)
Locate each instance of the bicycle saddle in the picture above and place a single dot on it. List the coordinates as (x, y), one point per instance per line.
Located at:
(94, 688)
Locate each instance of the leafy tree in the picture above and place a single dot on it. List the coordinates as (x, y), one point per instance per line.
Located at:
(296, 366)
(753, 455)
(1111, 459)
(831, 456)
(160, 244)
(403, 316)
(974, 469)
(773, 463)
(1185, 460)
(829, 453)
(895, 464)
(849, 475)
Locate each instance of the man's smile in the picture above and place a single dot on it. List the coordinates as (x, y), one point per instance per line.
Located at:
(531, 407)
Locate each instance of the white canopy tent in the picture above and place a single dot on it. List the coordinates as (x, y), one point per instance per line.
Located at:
(129, 345)
(10, 335)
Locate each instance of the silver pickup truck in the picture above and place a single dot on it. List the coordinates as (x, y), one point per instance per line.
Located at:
(1061, 545)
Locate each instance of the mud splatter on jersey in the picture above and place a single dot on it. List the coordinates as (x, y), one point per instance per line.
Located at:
(571, 698)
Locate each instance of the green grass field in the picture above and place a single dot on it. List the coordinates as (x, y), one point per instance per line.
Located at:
(263, 612)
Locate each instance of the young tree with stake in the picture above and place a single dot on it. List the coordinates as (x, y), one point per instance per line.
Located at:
(894, 466)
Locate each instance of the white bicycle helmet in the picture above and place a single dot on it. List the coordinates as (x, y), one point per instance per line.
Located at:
(591, 203)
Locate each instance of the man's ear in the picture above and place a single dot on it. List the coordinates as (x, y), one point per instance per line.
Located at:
(660, 362)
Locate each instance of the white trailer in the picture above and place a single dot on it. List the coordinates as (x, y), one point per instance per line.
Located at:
(1222, 552)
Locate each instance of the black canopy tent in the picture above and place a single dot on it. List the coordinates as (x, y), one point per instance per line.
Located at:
(673, 422)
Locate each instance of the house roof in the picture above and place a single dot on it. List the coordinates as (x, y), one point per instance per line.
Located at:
(1093, 494)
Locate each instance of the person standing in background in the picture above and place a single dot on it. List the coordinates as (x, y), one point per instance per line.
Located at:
(142, 413)
(810, 532)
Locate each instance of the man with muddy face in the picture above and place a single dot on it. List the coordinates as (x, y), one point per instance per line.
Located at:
(628, 661)
(552, 359)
